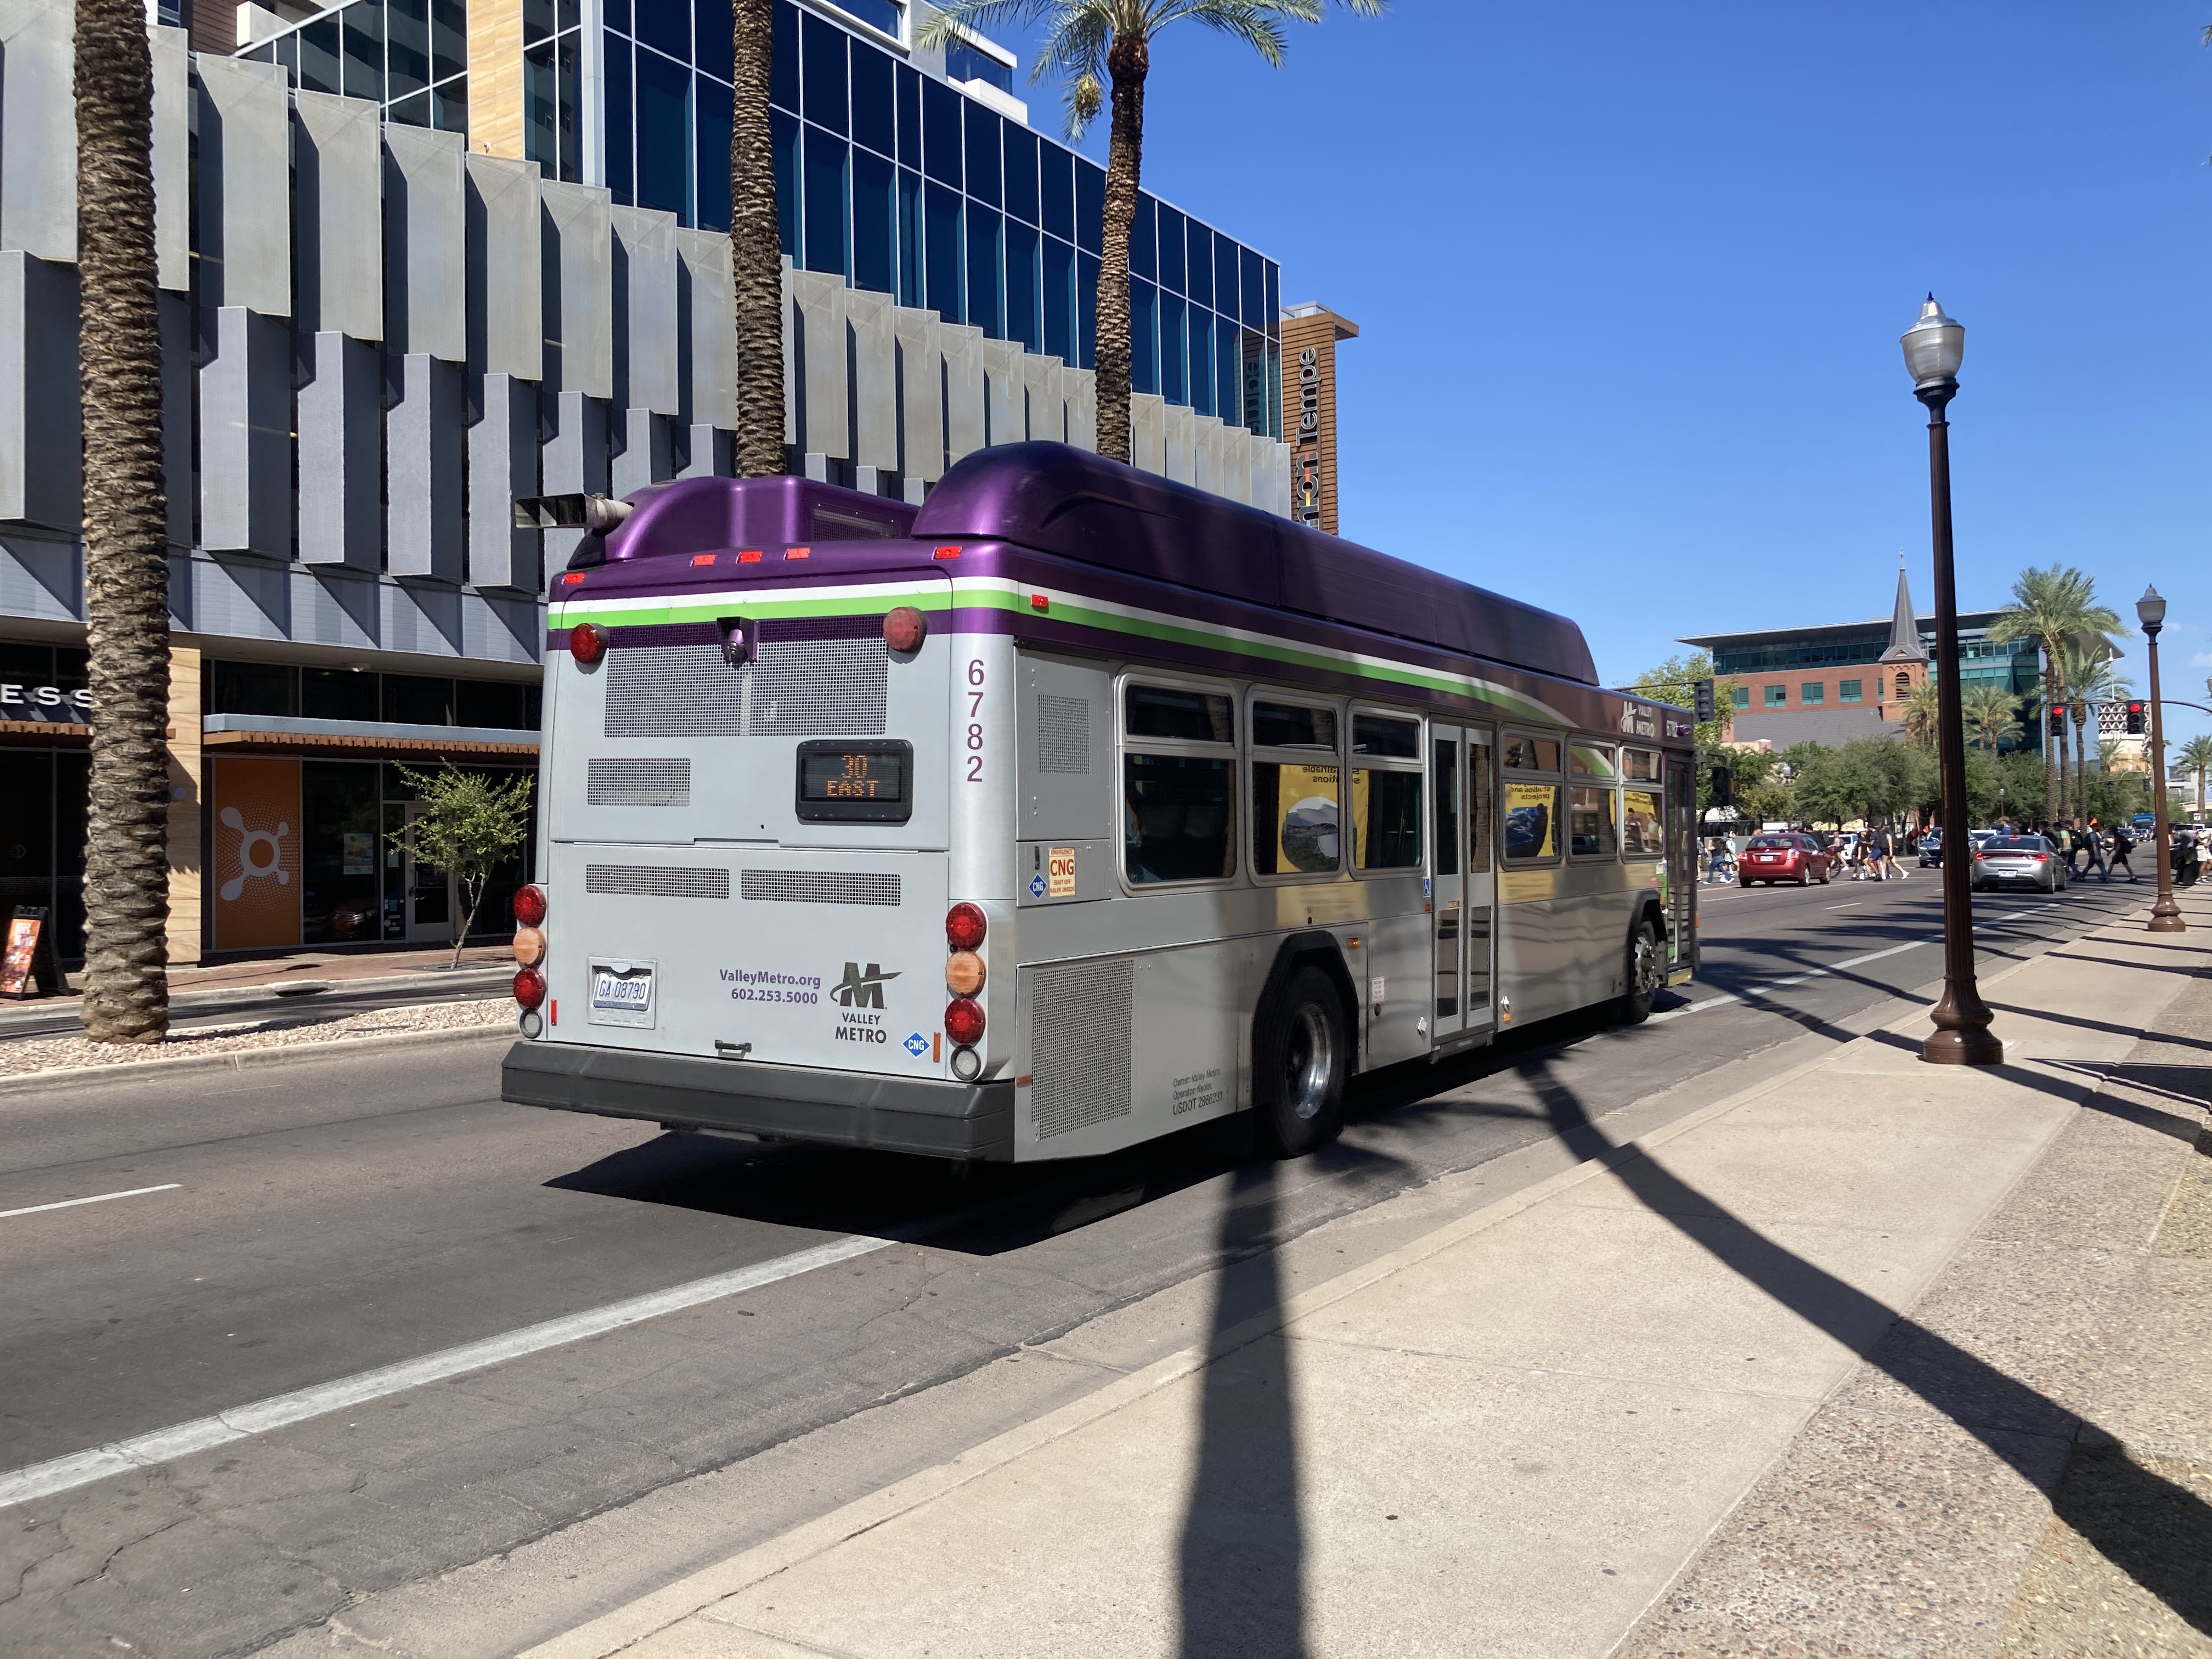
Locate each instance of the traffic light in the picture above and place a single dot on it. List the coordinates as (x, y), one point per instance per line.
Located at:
(2134, 720)
(1704, 695)
(2058, 721)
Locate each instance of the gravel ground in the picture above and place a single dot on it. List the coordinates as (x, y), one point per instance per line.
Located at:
(61, 1054)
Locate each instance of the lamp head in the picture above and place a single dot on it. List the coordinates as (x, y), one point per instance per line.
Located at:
(1935, 346)
(2150, 610)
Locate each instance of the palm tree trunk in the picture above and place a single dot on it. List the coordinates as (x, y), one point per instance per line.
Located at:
(755, 247)
(2054, 807)
(1128, 61)
(126, 552)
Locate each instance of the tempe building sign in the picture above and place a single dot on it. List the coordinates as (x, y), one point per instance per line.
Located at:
(1309, 336)
(55, 704)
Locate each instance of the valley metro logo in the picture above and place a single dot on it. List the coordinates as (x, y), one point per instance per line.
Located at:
(859, 990)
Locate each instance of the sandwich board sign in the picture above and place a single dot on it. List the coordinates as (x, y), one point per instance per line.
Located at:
(28, 967)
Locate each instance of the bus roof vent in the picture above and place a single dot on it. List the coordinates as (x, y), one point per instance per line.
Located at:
(1066, 501)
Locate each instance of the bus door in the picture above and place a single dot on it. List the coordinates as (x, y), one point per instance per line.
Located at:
(1460, 760)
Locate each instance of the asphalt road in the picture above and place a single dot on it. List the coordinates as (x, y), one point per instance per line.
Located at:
(314, 1222)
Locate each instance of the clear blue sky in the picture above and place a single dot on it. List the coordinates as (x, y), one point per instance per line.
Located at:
(1629, 282)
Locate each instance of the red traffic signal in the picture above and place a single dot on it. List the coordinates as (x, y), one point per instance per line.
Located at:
(2136, 712)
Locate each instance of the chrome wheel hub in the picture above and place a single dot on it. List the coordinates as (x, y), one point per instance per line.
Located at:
(1310, 1061)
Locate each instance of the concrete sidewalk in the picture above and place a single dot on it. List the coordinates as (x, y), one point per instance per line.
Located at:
(1662, 1402)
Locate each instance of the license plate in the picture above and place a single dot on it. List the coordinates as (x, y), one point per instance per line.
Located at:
(622, 992)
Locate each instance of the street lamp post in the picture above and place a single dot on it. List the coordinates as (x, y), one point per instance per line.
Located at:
(2164, 915)
(1934, 348)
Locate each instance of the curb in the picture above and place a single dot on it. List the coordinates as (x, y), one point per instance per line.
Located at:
(244, 1060)
(291, 990)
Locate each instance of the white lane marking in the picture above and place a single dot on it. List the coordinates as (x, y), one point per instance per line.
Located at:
(1796, 979)
(1852, 905)
(97, 1198)
(242, 1422)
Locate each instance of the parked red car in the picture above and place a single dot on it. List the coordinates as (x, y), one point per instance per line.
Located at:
(1791, 857)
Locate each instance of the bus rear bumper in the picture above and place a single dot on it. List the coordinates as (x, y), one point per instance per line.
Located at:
(797, 1103)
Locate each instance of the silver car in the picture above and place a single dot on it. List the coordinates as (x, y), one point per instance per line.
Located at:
(2006, 859)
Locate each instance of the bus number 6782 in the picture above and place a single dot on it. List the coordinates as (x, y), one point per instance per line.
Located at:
(975, 724)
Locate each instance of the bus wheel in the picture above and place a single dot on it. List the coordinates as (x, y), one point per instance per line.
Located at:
(1301, 1053)
(1647, 971)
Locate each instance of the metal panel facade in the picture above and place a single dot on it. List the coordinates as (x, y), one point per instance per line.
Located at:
(245, 230)
(337, 164)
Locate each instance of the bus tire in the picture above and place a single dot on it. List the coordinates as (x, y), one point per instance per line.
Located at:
(1647, 972)
(1301, 1056)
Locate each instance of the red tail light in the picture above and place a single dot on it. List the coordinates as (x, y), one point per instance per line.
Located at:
(530, 905)
(587, 643)
(964, 927)
(529, 987)
(905, 629)
(963, 1021)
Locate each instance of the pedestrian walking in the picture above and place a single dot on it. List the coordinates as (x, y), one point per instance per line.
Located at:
(1890, 867)
(2092, 846)
(1716, 861)
(2124, 842)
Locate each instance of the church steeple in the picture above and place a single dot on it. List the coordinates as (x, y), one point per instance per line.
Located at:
(1905, 627)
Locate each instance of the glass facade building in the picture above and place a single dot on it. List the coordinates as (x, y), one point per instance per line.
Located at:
(898, 180)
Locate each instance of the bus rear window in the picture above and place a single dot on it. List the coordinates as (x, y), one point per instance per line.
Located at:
(855, 782)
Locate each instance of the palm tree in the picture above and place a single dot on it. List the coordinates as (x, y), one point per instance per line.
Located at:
(756, 248)
(1096, 42)
(1920, 713)
(1991, 716)
(2053, 607)
(2194, 760)
(2087, 665)
(126, 552)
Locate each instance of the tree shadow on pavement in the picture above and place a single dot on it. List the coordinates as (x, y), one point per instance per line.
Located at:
(2032, 1434)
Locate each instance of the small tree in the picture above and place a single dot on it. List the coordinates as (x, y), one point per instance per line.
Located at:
(472, 825)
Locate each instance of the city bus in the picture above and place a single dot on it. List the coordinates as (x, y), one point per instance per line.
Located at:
(1072, 808)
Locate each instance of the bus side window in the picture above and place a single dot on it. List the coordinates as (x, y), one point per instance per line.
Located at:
(1178, 802)
(1386, 800)
(1480, 804)
(1445, 772)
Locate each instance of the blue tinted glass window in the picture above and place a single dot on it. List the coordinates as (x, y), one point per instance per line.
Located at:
(665, 26)
(449, 38)
(663, 135)
(909, 117)
(964, 63)
(284, 50)
(1060, 301)
(410, 111)
(1271, 307)
(1024, 321)
(826, 157)
(1144, 239)
(536, 20)
(449, 104)
(565, 14)
(617, 12)
(783, 67)
(1228, 374)
(714, 115)
(1274, 393)
(821, 62)
(1201, 264)
(1056, 192)
(1175, 380)
(875, 121)
(570, 73)
(319, 57)
(1086, 314)
(1225, 276)
(986, 301)
(711, 26)
(1170, 270)
(1090, 207)
(783, 134)
(875, 233)
(1254, 286)
(1021, 173)
(909, 237)
(982, 152)
(364, 51)
(407, 45)
(538, 114)
(1201, 362)
(620, 179)
(941, 132)
(1143, 337)
(944, 292)
(884, 13)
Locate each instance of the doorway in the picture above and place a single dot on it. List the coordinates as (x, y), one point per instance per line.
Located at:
(1462, 764)
(432, 897)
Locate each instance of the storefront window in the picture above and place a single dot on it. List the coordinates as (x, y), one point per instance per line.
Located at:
(338, 900)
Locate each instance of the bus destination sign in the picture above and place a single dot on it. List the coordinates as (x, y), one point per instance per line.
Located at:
(847, 782)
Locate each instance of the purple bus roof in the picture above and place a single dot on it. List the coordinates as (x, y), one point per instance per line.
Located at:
(702, 515)
(1061, 500)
